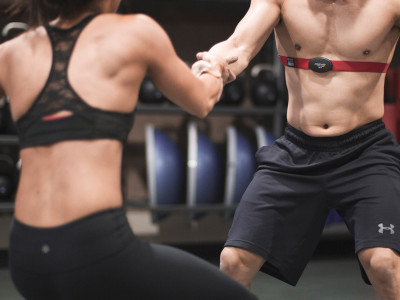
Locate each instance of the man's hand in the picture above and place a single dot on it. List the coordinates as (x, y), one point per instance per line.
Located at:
(214, 65)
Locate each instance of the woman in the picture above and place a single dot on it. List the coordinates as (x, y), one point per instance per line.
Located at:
(73, 86)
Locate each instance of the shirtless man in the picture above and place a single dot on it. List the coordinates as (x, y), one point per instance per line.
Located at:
(335, 151)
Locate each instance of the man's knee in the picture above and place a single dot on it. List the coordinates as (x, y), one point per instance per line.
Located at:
(233, 259)
(240, 264)
(230, 259)
(382, 263)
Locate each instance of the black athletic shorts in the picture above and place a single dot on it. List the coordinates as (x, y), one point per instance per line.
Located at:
(299, 178)
(98, 257)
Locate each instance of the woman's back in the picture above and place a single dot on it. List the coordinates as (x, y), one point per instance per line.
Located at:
(64, 181)
(69, 179)
(71, 238)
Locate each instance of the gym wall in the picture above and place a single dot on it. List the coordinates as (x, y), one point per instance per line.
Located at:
(192, 26)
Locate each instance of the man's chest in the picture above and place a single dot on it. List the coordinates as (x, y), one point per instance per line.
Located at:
(347, 28)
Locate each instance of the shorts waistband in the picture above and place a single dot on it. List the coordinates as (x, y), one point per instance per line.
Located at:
(335, 143)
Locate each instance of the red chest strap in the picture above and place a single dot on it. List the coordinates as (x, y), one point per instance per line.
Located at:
(321, 65)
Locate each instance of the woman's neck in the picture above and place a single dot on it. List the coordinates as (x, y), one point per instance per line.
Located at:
(65, 23)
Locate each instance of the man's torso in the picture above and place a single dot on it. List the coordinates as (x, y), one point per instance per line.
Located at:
(333, 103)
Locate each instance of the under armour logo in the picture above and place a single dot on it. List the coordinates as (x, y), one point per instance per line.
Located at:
(383, 228)
(45, 249)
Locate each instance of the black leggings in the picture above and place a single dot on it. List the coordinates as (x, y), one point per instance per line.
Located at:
(98, 257)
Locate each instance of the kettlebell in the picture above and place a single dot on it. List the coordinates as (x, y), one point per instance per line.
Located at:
(263, 89)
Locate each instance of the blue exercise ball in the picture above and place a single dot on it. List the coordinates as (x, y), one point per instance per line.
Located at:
(264, 138)
(165, 170)
(204, 169)
(333, 217)
(240, 166)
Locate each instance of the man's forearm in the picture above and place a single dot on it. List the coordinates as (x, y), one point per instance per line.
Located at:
(227, 49)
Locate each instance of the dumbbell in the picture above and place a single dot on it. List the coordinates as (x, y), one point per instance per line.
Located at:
(8, 121)
(7, 125)
(12, 30)
(149, 94)
(6, 188)
(3, 115)
(263, 85)
(234, 92)
(7, 170)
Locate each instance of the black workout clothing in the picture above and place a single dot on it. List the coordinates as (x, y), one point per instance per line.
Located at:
(300, 178)
(99, 258)
(86, 122)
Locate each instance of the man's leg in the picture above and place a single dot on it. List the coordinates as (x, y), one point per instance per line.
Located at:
(382, 266)
(242, 265)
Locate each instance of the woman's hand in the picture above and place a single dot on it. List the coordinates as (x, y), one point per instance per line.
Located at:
(214, 65)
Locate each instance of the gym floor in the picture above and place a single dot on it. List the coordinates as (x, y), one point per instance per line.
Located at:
(332, 274)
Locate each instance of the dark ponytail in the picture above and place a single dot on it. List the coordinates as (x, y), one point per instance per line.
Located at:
(42, 11)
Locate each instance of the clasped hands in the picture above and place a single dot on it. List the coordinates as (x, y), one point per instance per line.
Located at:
(214, 65)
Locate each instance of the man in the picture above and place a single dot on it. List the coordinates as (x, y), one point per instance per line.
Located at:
(335, 151)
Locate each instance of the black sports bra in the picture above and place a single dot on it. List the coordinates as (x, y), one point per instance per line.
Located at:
(86, 122)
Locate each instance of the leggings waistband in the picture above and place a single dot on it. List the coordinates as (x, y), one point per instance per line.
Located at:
(69, 246)
(335, 143)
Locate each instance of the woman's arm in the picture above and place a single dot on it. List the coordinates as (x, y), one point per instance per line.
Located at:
(173, 77)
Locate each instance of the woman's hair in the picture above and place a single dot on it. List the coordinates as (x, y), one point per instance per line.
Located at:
(42, 11)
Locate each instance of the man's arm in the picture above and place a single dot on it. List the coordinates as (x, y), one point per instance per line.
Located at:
(250, 34)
